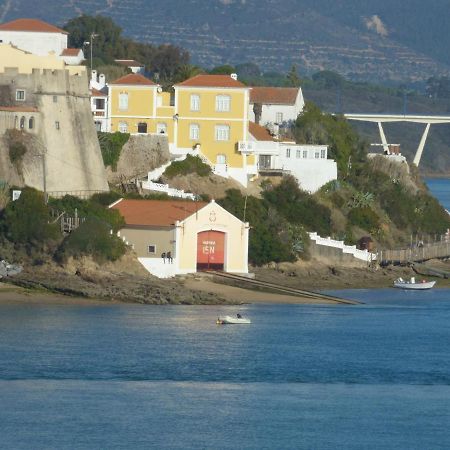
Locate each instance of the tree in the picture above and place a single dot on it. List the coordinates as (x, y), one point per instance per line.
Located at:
(292, 77)
(223, 70)
(328, 79)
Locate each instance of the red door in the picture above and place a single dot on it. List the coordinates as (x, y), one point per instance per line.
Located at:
(210, 250)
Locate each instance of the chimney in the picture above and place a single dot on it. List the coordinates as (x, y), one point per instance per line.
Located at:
(94, 75)
(234, 76)
(102, 80)
(257, 110)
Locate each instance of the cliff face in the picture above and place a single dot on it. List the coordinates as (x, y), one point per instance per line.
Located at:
(54, 120)
(140, 155)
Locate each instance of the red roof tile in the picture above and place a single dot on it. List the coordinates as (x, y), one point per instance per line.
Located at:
(34, 25)
(273, 95)
(156, 212)
(223, 81)
(134, 78)
(97, 93)
(259, 133)
(19, 108)
(71, 52)
(129, 62)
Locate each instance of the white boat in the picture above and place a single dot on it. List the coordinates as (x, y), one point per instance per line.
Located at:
(413, 284)
(227, 320)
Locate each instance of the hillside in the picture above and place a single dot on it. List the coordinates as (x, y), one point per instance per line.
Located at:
(377, 40)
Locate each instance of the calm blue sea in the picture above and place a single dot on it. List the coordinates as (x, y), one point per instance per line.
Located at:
(372, 376)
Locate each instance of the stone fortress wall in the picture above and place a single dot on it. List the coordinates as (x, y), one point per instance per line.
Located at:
(63, 129)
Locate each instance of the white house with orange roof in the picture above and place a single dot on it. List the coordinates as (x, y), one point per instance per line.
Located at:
(273, 106)
(172, 237)
(39, 38)
(309, 164)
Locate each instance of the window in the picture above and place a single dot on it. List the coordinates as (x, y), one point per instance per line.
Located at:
(323, 153)
(305, 154)
(194, 131)
(288, 153)
(195, 102)
(316, 155)
(161, 128)
(222, 133)
(123, 101)
(55, 99)
(100, 103)
(98, 126)
(298, 154)
(57, 125)
(31, 123)
(223, 103)
(123, 127)
(279, 117)
(142, 127)
(22, 123)
(221, 159)
(20, 95)
(152, 249)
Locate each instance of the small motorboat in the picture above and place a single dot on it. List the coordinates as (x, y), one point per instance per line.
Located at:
(413, 284)
(228, 320)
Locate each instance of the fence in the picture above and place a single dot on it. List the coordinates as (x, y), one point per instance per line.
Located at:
(415, 253)
(171, 192)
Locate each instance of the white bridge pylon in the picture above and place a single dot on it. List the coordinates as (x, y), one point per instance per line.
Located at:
(384, 118)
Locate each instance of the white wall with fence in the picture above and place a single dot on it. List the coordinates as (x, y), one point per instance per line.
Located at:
(363, 255)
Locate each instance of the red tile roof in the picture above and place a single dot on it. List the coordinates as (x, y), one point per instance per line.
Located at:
(259, 133)
(71, 52)
(34, 25)
(223, 81)
(129, 62)
(97, 93)
(19, 108)
(134, 78)
(273, 95)
(156, 212)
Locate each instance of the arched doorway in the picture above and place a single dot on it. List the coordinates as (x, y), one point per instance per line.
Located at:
(210, 250)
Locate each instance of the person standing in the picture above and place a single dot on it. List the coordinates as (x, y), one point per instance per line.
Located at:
(163, 256)
(169, 257)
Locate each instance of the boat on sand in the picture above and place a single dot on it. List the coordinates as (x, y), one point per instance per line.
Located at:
(228, 320)
(413, 284)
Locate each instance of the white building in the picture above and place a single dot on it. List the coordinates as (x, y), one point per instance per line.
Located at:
(134, 66)
(39, 38)
(309, 164)
(99, 101)
(275, 105)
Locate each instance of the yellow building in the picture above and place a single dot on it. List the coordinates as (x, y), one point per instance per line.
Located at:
(132, 104)
(211, 117)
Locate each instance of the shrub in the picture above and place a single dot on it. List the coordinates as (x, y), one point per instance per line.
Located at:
(26, 220)
(16, 152)
(111, 145)
(93, 237)
(192, 164)
(364, 217)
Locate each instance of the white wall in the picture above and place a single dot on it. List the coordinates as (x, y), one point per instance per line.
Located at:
(40, 44)
(269, 112)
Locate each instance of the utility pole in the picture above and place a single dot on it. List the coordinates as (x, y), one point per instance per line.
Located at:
(93, 36)
(44, 177)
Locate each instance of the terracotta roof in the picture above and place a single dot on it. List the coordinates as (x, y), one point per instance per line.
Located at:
(259, 133)
(273, 95)
(71, 52)
(134, 78)
(156, 212)
(34, 25)
(19, 108)
(223, 81)
(97, 93)
(129, 62)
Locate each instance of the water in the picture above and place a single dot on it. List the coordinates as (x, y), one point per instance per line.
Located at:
(440, 188)
(131, 376)
(372, 376)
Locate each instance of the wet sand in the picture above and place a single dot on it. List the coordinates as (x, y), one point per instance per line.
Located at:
(237, 294)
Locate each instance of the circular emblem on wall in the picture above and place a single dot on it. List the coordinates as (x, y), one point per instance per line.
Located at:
(212, 216)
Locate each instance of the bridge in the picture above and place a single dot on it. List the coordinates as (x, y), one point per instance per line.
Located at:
(415, 118)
